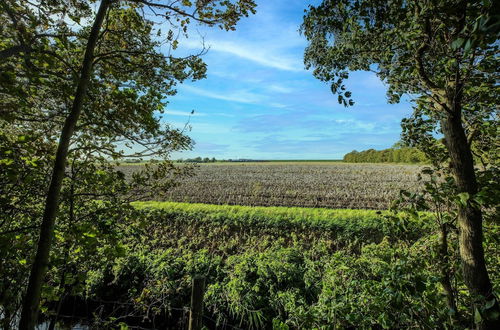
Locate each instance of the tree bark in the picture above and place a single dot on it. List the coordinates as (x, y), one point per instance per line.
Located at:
(445, 274)
(31, 301)
(469, 215)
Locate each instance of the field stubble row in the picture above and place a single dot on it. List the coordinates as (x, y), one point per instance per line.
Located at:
(330, 185)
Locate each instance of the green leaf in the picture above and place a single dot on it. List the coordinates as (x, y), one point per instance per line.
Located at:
(463, 198)
(457, 43)
(477, 316)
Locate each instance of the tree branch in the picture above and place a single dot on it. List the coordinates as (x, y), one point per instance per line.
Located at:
(14, 50)
(177, 11)
(420, 58)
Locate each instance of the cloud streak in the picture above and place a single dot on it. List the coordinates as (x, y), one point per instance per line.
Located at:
(254, 53)
(241, 96)
(184, 113)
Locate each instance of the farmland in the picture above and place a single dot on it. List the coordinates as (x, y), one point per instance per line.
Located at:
(295, 184)
(104, 226)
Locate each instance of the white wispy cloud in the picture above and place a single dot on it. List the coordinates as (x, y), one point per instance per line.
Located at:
(222, 114)
(198, 127)
(277, 105)
(355, 124)
(184, 113)
(280, 88)
(254, 53)
(242, 96)
(197, 113)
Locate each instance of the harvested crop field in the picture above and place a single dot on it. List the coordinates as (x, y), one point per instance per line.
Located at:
(302, 184)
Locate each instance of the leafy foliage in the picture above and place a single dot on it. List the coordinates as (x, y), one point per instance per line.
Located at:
(292, 267)
(391, 155)
(443, 55)
(42, 47)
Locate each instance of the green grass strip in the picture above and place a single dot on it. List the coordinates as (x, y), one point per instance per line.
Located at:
(290, 213)
(348, 222)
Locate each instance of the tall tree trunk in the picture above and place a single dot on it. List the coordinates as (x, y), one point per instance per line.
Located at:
(469, 215)
(31, 301)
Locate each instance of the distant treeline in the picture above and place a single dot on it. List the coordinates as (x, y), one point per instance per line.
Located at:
(197, 160)
(391, 155)
(213, 160)
(187, 160)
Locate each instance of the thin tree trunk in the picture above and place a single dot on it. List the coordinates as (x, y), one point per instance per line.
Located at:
(445, 273)
(6, 319)
(469, 216)
(31, 301)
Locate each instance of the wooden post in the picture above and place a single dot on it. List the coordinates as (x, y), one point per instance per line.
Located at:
(196, 312)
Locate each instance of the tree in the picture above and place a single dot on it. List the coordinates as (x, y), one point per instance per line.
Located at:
(400, 155)
(23, 180)
(116, 60)
(444, 54)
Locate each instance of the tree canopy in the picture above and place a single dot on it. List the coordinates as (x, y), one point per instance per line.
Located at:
(444, 56)
(83, 83)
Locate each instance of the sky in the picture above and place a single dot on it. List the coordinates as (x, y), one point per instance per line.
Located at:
(259, 102)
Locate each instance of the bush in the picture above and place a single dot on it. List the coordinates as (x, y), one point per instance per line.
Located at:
(280, 267)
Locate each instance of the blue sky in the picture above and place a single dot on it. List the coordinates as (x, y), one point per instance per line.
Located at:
(259, 102)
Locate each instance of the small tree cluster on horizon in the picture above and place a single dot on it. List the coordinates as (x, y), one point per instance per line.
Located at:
(197, 160)
(390, 155)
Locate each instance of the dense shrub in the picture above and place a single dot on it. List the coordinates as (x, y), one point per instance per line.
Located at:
(280, 268)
